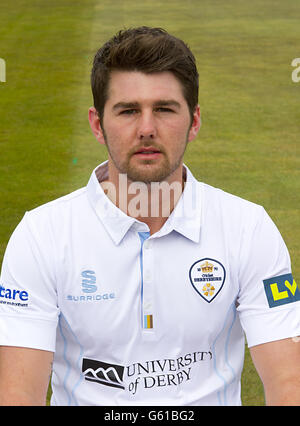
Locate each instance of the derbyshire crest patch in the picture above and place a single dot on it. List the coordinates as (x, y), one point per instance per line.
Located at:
(207, 276)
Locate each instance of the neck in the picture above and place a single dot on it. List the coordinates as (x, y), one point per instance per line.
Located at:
(151, 203)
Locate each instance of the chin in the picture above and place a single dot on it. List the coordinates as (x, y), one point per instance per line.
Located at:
(148, 176)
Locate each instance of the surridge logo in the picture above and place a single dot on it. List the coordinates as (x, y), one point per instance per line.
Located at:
(89, 287)
(88, 282)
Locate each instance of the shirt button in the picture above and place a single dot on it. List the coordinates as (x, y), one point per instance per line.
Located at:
(147, 244)
(147, 275)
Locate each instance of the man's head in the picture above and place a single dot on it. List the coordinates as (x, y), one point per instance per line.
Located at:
(145, 88)
(148, 50)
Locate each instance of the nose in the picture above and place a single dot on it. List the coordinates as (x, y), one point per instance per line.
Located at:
(146, 126)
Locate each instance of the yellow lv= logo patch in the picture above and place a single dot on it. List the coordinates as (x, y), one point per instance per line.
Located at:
(292, 287)
(281, 290)
(277, 295)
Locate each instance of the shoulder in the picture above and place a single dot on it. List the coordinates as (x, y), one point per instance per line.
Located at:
(58, 205)
(243, 223)
(54, 215)
(230, 206)
(61, 202)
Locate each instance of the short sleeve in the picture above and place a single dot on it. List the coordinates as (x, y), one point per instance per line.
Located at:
(269, 298)
(28, 298)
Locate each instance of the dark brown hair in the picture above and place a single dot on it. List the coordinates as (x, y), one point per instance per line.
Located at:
(148, 50)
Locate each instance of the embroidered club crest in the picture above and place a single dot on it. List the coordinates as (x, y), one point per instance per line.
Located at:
(207, 276)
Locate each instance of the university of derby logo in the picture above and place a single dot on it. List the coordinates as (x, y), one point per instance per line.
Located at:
(207, 276)
(103, 373)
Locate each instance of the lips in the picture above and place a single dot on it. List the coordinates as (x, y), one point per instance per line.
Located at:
(148, 150)
(147, 153)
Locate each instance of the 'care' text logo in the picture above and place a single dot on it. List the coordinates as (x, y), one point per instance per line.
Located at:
(11, 296)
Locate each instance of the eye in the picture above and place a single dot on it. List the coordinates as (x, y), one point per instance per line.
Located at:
(164, 109)
(128, 111)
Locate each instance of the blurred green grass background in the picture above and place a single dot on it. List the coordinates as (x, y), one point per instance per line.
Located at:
(249, 141)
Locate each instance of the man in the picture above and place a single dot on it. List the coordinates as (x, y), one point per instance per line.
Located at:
(142, 285)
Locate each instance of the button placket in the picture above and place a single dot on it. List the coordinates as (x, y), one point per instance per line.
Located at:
(147, 301)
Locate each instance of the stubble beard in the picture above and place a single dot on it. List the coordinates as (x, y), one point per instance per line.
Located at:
(146, 171)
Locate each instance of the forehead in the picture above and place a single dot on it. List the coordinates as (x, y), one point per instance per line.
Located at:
(140, 87)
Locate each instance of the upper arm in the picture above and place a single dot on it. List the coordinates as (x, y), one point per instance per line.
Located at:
(24, 375)
(269, 310)
(28, 317)
(278, 365)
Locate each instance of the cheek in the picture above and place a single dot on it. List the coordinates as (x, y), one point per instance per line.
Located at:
(178, 124)
(117, 137)
(176, 132)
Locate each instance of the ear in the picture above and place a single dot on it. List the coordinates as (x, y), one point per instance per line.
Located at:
(95, 125)
(196, 124)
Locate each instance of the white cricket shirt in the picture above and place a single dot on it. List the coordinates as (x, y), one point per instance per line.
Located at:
(136, 319)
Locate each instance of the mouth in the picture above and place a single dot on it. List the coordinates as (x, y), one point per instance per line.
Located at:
(149, 153)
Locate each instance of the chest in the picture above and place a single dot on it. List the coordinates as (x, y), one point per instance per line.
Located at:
(152, 290)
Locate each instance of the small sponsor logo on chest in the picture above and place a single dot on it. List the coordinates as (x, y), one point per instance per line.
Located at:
(89, 287)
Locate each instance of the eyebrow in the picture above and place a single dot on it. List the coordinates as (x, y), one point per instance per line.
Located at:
(160, 103)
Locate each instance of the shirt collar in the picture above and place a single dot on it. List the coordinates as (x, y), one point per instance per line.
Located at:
(185, 218)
